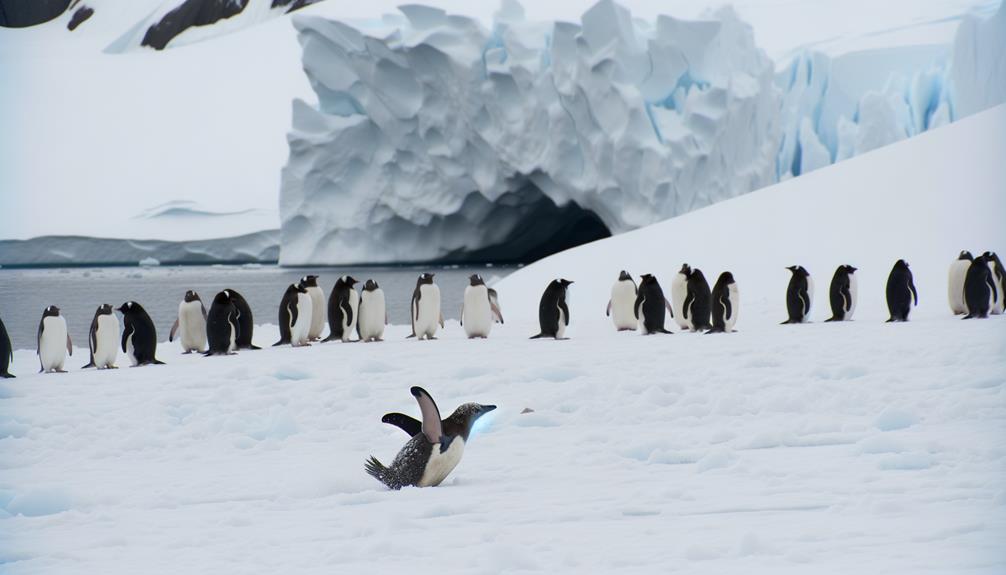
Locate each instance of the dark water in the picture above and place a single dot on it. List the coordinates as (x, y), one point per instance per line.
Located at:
(24, 293)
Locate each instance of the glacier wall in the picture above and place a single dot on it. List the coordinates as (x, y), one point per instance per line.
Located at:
(435, 138)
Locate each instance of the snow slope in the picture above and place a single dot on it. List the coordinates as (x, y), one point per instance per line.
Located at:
(819, 448)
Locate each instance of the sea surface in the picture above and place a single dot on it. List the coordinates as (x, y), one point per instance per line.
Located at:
(24, 293)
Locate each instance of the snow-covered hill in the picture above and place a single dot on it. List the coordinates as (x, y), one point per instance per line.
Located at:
(819, 448)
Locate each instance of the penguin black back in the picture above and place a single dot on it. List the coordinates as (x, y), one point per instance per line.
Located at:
(980, 290)
(840, 294)
(798, 295)
(138, 331)
(650, 305)
(901, 292)
(340, 310)
(221, 323)
(288, 312)
(6, 352)
(553, 312)
(696, 307)
(246, 321)
(724, 305)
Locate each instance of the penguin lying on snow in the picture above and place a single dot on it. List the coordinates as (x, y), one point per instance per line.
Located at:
(436, 446)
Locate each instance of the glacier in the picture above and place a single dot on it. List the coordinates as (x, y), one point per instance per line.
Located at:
(436, 138)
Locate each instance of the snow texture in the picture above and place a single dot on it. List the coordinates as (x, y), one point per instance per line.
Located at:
(816, 448)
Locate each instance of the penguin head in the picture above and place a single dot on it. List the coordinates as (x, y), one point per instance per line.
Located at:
(646, 278)
(465, 416)
(126, 308)
(624, 276)
(685, 270)
(309, 281)
(371, 285)
(965, 255)
(726, 278)
(296, 288)
(565, 282)
(901, 265)
(104, 309)
(798, 271)
(426, 278)
(475, 280)
(223, 298)
(191, 296)
(697, 275)
(50, 311)
(849, 269)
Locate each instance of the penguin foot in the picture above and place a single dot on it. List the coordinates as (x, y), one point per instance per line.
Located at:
(187, 352)
(7, 376)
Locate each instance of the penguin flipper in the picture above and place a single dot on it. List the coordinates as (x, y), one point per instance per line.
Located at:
(496, 311)
(408, 424)
(432, 425)
(441, 320)
(670, 308)
(174, 329)
(69, 344)
(607, 313)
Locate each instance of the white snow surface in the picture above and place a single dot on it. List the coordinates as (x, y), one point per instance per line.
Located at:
(434, 135)
(817, 448)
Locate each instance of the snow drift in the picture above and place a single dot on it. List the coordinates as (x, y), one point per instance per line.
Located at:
(435, 138)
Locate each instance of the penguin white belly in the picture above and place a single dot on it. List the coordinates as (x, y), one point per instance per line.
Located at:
(52, 347)
(735, 303)
(129, 351)
(561, 332)
(478, 315)
(428, 316)
(440, 464)
(642, 318)
(192, 325)
(302, 327)
(955, 286)
(810, 299)
(679, 290)
(995, 294)
(854, 292)
(623, 298)
(372, 314)
(1000, 305)
(319, 313)
(106, 339)
(234, 339)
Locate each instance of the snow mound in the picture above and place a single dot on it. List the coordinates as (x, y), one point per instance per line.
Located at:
(436, 136)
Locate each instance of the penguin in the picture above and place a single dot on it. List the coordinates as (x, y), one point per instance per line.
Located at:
(648, 308)
(999, 279)
(103, 338)
(901, 292)
(139, 337)
(679, 290)
(553, 313)
(246, 321)
(434, 451)
(799, 295)
(53, 342)
(425, 308)
(955, 282)
(980, 291)
(192, 321)
(842, 293)
(294, 317)
(621, 306)
(494, 299)
(343, 307)
(373, 313)
(318, 312)
(6, 353)
(223, 326)
(478, 312)
(696, 305)
(726, 304)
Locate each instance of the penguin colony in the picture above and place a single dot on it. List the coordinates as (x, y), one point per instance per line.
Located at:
(976, 289)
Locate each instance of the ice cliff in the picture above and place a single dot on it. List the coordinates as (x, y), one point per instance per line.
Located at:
(435, 138)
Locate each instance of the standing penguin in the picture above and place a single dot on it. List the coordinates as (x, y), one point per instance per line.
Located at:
(999, 279)
(901, 292)
(494, 299)
(477, 309)
(425, 308)
(192, 321)
(294, 317)
(373, 313)
(434, 450)
(553, 313)
(696, 305)
(799, 295)
(139, 337)
(679, 291)
(53, 343)
(246, 321)
(622, 303)
(980, 290)
(343, 306)
(726, 304)
(103, 338)
(318, 311)
(648, 309)
(955, 282)
(223, 327)
(6, 352)
(842, 293)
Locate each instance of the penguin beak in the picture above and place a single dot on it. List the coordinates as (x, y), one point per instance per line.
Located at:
(486, 409)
